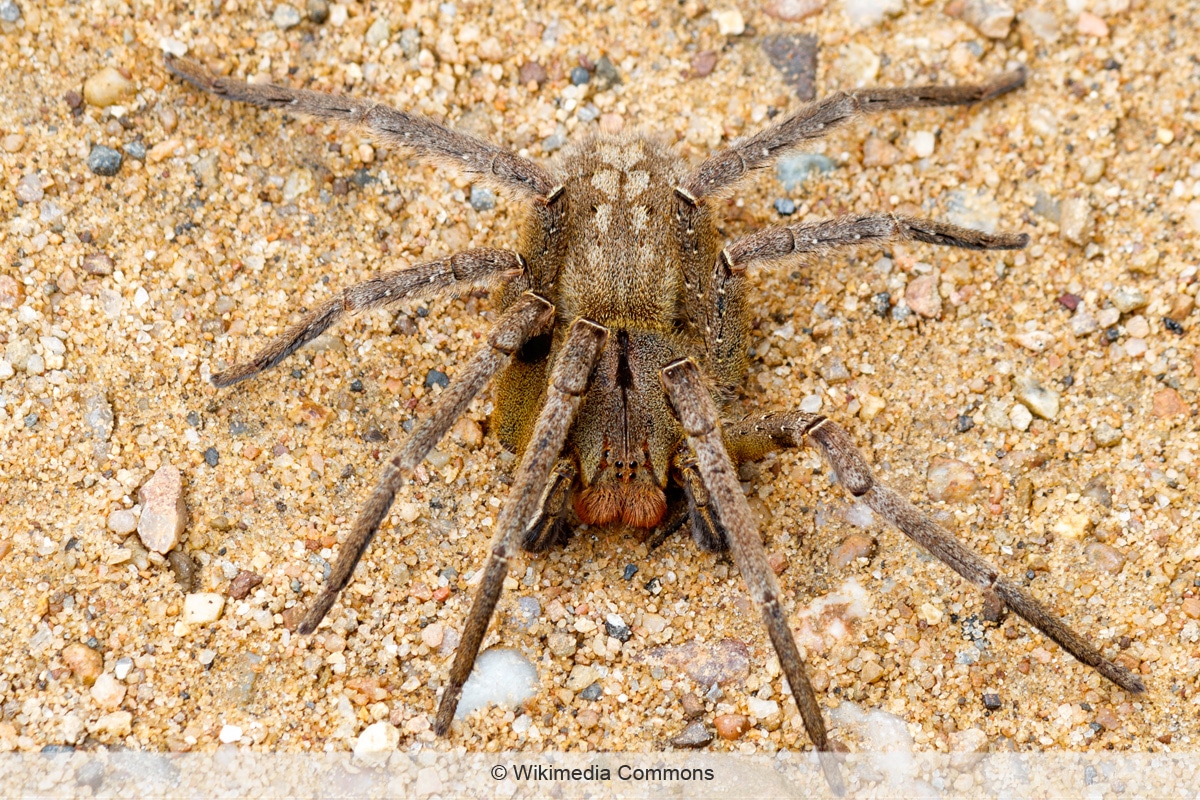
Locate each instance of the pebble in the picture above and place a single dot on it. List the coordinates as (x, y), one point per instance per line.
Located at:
(1091, 25)
(871, 672)
(230, 734)
(104, 161)
(730, 22)
(299, 182)
(703, 63)
(592, 692)
(785, 206)
(318, 10)
(1125, 299)
(482, 198)
(793, 10)
(761, 709)
(1075, 220)
(992, 18)
(1043, 24)
(562, 644)
(377, 739)
(378, 33)
(529, 610)
(1168, 403)
(285, 17)
(693, 706)
(834, 371)
(29, 189)
(98, 264)
(107, 691)
(852, 548)
(580, 76)
(212, 457)
(136, 150)
(991, 701)
(201, 608)
(1105, 435)
(242, 584)
(1105, 558)
(922, 296)
(532, 72)
(616, 628)
(107, 87)
(795, 56)
(501, 676)
(1043, 402)
(922, 143)
(1191, 607)
(694, 735)
(731, 726)
(183, 568)
(84, 662)
(950, 480)
(116, 723)
(9, 11)
(865, 13)
(724, 662)
(164, 511)
(793, 170)
(122, 521)
(1020, 418)
(581, 677)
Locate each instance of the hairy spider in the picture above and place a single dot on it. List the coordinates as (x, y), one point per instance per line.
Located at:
(623, 337)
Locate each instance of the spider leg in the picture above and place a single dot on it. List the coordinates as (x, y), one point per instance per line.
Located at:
(724, 169)
(707, 531)
(773, 431)
(568, 382)
(425, 137)
(429, 277)
(850, 231)
(525, 318)
(698, 415)
(548, 527)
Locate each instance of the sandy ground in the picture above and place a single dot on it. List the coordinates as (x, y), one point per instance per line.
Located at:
(120, 294)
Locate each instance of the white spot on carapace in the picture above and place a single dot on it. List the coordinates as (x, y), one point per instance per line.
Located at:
(636, 182)
(621, 157)
(608, 183)
(603, 217)
(638, 215)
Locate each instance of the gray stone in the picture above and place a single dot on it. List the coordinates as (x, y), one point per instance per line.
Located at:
(1043, 402)
(286, 17)
(104, 161)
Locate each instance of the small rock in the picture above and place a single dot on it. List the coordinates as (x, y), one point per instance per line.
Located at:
(1035, 341)
(581, 677)
(501, 676)
(107, 87)
(432, 634)
(703, 63)
(1020, 418)
(9, 11)
(183, 568)
(693, 706)
(871, 672)
(318, 11)
(164, 512)
(793, 10)
(299, 182)
(107, 691)
(117, 723)
(1191, 607)
(285, 17)
(1105, 435)
(761, 709)
(378, 33)
(834, 371)
(880, 153)
(795, 56)
(29, 189)
(561, 644)
(580, 76)
(950, 480)
(1075, 220)
(778, 562)
(230, 734)
(865, 13)
(1126, 300)
(122, 521)
(201, 608)
(992, 18)
(922, 296)
(922, 143)
(1043, 24)
(1097, 490)
(243, 583)
(104, 161)
(852, 548)
(731, 726)
(991, 701)
(378, 739)
(1106, 719)
(1105, 558)
(1091, 25)
(592, 692)
(532, 72)
(12, 294)
(616, 628)
(482, 198)
(1072, 525)
(785, 206)
(730, 22)
(84, 662)
(135, 150)
(694, 735)
(1037, 398)
(97, 264)
(1168, 403)
(529, 610)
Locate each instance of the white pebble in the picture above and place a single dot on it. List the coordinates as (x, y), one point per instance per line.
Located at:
(200, 608)
(922, 144)
(230, 733)
(107, 691)
(730, 22)
(1020, 417)
(377, 740)
(501, 676)
(122, 521)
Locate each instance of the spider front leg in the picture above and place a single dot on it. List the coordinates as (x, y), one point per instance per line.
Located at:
(755, 437)
(523, 319)
(698, 415)
(569, 381)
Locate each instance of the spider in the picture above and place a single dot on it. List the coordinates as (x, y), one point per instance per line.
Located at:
(622, 338)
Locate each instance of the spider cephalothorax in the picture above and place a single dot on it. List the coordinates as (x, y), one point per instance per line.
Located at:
(622, 337)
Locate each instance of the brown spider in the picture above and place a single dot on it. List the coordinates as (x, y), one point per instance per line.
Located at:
(622, 337)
